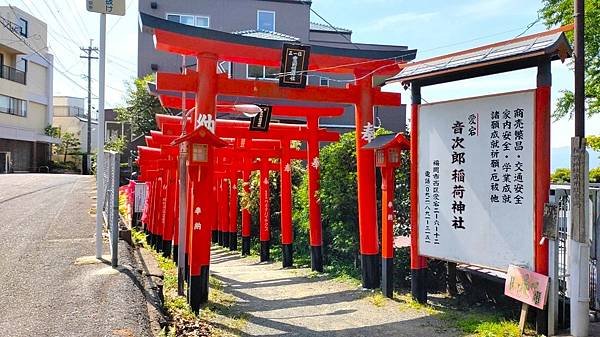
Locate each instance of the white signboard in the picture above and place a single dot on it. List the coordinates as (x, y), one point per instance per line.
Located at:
(140, 197)
(114, 7)
(476, 180)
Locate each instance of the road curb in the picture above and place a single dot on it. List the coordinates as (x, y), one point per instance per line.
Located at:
(152, 279)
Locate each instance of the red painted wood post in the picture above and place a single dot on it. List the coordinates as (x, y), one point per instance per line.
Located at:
(176, 219)
(265, 211)
(224, 212)
(387, 230)
(219, 224)
(367, 198)
(542, 163)
(206, 101)
(314, 208)
(233, 210)
(170, 212)
(246, 216)
(287, 231)
(418, 264)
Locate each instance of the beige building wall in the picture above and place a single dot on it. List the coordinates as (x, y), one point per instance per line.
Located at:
(26, 79)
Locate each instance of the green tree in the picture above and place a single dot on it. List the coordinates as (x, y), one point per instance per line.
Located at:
(118, 144)
(561, 176)
(69, 144)
(141, 107)
(594, 175)
(560, 12)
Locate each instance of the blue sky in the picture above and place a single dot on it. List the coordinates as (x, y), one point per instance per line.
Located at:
(434, 27)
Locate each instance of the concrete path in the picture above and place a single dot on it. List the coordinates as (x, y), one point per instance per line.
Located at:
(282, 302)
(45, 226)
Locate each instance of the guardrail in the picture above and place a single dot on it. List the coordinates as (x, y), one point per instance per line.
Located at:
(110, 207)
(13, 74)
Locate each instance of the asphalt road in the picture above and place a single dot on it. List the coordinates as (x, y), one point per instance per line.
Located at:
(45, 226)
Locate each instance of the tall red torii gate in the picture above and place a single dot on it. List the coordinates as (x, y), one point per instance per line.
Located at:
(285, 133)
(210, 46)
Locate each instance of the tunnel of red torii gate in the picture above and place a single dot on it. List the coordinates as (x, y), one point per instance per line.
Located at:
(206, 137)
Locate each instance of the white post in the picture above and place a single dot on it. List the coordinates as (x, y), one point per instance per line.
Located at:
(579, 242)
(100, 150)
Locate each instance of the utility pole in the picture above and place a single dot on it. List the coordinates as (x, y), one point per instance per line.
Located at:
(579, 247)
(88, 55)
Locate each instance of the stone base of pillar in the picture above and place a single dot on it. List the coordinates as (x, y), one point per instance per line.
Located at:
(233, 241)
(288, 255)
(418, 285)
(387, 276)
(220, 238)
(316, 258)
(198, 289)
(187, 267)
(166, 248)
(245, 245)
(225, 236)
(265, 254)
(370, 271)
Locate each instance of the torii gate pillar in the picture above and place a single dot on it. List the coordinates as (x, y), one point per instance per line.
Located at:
(246, 216)
(314, 208)
(287, 232)
(367, 207)
(265, 211)
(204, 115)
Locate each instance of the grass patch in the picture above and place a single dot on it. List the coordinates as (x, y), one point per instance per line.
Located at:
(482, 324)
(377, 299)
(218, 314)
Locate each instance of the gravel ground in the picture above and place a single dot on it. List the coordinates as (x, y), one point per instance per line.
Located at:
(281, 302)
(45, 226)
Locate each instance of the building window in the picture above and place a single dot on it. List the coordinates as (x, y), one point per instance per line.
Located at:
(24, 27)
(224, 67)
(324, 81)
(13, 106)
(265, 20)
(190, 20)
(262, 72)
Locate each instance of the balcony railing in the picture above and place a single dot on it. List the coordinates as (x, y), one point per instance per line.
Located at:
(13, 74)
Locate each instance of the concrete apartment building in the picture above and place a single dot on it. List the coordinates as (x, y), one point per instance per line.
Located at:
(25, 92)
(70, 116)
(284, 20)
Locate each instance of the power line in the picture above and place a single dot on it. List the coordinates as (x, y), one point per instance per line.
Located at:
(330, 25)
(119, 18)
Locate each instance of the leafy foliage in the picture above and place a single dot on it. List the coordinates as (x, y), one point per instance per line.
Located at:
(561, 176)
(69, 144)
(52, 131)
(141, 107)
(118, 144)
(560, 12)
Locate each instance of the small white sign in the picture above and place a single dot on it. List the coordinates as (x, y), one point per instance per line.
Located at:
(476, 180)
(113, 7)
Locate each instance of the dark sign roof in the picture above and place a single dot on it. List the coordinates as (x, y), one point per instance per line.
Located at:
(515, 54)
(384, 141)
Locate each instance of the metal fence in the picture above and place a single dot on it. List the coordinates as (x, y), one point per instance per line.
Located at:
(559, 266)
(110, 207)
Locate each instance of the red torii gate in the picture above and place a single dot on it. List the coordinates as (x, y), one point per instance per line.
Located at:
(313, 135)
(210, 46)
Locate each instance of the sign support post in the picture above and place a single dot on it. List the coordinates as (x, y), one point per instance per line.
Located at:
(579, 249)
(418, 264)
(100, 150)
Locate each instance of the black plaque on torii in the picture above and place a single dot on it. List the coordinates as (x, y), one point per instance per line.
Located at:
(294, 64)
